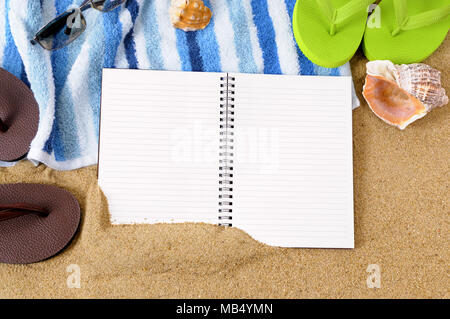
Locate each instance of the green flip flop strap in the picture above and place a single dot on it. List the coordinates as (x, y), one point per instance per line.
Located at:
(336, 16)
(405, 22)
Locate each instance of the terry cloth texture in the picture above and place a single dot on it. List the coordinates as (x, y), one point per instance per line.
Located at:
(250, 36)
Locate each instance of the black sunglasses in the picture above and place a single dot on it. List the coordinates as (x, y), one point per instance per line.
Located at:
(69, 25)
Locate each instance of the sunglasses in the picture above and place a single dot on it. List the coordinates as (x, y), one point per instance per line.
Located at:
(68, 26)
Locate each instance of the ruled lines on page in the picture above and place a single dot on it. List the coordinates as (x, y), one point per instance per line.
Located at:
(159, 145)
(293, 183)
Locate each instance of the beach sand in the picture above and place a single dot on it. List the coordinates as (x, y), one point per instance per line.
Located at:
(401, 182)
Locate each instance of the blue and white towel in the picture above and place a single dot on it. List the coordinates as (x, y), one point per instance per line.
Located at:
(252, 36)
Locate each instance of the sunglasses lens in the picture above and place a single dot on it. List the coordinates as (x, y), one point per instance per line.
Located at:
(62, 30)
(106, 5)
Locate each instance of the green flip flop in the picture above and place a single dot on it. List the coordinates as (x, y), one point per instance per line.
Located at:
(330, 31)
(408, 31)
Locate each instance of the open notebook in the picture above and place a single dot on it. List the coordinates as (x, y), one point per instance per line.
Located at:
(269, 154)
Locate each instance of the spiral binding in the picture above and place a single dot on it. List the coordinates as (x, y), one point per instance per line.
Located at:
(226, 150)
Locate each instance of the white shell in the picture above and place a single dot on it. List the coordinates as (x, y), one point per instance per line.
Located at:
(384, 68)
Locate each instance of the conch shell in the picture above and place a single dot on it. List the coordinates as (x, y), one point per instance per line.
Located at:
(402, 94)
(189, 15)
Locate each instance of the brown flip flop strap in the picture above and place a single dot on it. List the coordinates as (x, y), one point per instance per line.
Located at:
(9, 211)
(3, 127)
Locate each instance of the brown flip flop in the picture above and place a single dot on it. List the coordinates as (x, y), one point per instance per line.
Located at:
(19, 117)
(36, 222)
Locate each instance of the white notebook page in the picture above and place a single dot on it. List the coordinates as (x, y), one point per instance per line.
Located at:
(159, 144)
(293, 181)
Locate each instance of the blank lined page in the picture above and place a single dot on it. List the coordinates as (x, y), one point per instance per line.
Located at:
(293, 181)
(159, 144)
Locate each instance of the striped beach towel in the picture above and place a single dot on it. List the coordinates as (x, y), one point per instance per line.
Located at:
(251, 36)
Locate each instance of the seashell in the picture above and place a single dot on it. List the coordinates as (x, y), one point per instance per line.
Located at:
(423, 82)
(401, 94)
(189, 15)
(382, 68)
(391, 103)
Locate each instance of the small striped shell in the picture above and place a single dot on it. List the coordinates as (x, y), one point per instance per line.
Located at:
(189, 15)
(423, 82)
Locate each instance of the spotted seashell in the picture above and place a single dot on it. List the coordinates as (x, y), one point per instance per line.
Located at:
(189, 15)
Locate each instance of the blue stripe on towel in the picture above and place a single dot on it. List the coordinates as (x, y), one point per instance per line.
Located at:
(49, 146)
(335, 72)
(54, 143)
(306, 66)
(242, 37)
(209, 49)
(11, 54)
(319, 70)
(130, 46)
(266, 36)
(60, 57)
(97, 45)
(113, 35)
(64, 128)
(183, 50)
(24, 77)
(152, 36)
(38, 73)
(194, 52)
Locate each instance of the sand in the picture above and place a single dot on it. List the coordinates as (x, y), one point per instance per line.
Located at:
(401, 224)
